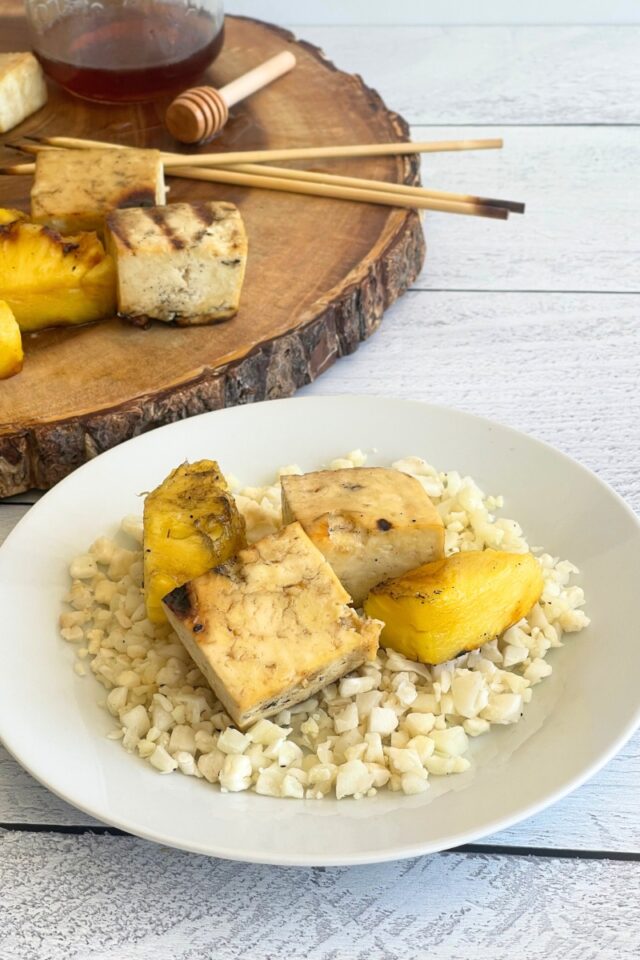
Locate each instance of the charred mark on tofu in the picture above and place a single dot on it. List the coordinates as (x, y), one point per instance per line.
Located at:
(383, 524)
(179, 601)
(120, 231)
(144, 197)
(204, 213)
(158, 216)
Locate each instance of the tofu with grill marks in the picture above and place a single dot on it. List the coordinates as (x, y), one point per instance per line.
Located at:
(371, 523)
(184, 262)
(271, 627)
(74, 190)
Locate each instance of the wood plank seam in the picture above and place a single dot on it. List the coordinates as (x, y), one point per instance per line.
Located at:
(492, 849)
(586, 293)
(524, 126)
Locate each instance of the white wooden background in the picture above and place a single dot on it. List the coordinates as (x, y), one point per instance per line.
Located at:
(535, 323)
(376, 12)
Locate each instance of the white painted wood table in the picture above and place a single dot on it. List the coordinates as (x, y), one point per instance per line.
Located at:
(534, 323)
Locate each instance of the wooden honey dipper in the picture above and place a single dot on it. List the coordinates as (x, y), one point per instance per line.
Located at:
(199, 113)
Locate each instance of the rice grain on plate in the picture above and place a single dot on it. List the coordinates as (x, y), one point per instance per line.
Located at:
(393, 723)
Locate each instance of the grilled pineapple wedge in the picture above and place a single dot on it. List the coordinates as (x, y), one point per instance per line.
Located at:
(48, 280)
(7, 215)
(446, 607)
(191, 524)
(11, 354)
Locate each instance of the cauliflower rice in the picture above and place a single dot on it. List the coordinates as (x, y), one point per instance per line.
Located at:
(392, 723)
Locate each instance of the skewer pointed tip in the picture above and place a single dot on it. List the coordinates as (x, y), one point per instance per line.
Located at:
(513, 206)
(21, 146)
(17, 169)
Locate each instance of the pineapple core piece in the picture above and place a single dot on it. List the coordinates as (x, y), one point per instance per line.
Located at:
(191, 524)
(11, 355)
(49, 281)
(446, 607)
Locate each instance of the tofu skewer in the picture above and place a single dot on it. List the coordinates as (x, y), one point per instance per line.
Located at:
(222, 158)
(74, 191)
(324, 184)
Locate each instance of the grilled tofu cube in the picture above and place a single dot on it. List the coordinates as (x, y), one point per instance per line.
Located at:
(184, 262)
(371, 523)
(75, 189)
(22, 88)
(271, 627)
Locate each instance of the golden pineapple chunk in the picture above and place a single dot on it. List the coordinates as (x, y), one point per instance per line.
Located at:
(191, 524)
(11, 354)
(48, 280)
(449, 606)
(7, 215)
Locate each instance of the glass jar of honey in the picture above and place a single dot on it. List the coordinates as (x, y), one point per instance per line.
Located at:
(125, 50)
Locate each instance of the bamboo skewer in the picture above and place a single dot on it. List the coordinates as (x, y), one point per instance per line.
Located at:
(310, 183)
(313, 176)
(361, 183)
(296, 153)
(220, 175)
(319, 189)
(19, 169)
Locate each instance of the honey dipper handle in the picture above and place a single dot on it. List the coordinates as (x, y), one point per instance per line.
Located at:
(201, 112)
(257, 78)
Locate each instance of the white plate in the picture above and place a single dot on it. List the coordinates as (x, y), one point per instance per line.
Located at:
(51, 722)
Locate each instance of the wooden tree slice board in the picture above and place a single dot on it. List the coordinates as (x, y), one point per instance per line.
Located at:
(320, 272)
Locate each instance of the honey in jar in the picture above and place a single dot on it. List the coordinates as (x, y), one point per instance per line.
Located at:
(125, 50)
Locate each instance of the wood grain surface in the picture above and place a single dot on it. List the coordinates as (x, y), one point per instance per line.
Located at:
(320, 273)
(172, 904)
(473, 75)
(582, 192)
(562, 366)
